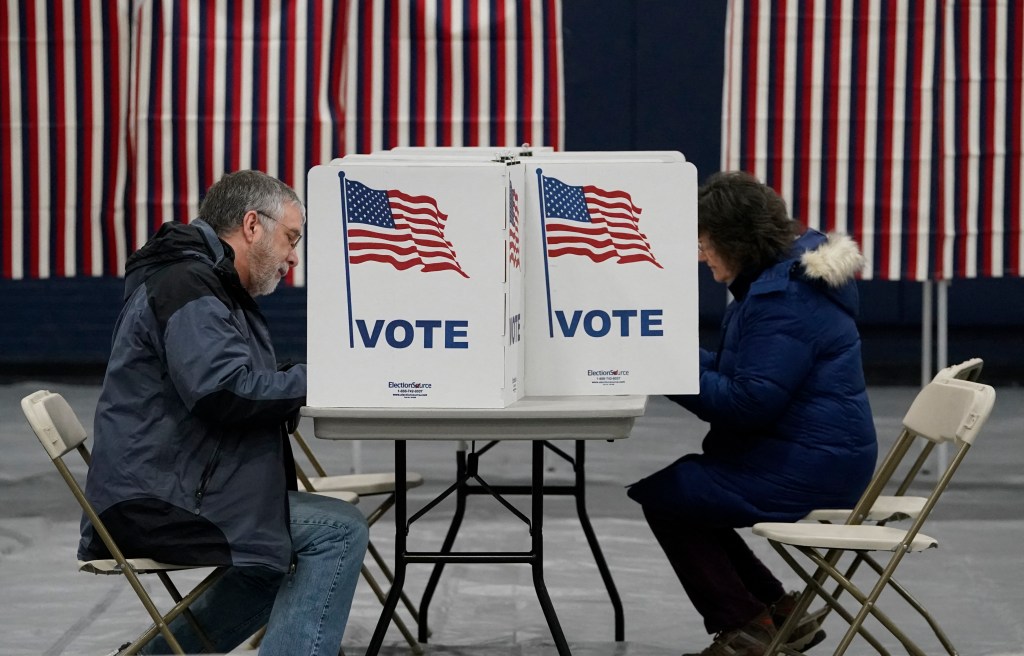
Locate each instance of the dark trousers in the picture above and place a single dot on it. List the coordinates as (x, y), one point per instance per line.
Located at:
(728, 585)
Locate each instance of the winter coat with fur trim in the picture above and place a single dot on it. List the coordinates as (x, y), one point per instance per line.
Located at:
(790, 424)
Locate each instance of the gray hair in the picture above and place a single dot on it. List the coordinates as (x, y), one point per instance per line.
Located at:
(229, 198)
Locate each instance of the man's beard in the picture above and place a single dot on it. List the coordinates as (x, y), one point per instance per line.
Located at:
(263, 268)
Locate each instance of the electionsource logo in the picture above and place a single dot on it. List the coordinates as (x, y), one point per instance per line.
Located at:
(608, 377)
(413, 390)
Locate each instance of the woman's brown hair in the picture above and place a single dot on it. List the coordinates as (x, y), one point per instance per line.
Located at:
(744, 219)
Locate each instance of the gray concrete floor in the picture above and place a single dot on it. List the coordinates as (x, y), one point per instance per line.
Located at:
(972, 583)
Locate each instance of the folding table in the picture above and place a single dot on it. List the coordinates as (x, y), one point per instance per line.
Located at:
(540, 420)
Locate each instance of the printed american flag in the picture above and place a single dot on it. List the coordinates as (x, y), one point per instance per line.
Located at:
(513, 227)
(396, 228)
(594, 223)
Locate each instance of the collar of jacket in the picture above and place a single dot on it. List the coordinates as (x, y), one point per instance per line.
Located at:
(175, 242)
(828, 262)
(741, 285)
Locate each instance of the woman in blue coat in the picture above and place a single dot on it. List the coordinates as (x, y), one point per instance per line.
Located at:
(790, 424)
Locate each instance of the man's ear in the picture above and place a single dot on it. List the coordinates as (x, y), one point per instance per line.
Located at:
(249, 224)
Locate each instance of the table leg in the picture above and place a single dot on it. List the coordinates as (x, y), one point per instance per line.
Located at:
(449, 541)
(400, 553)
(595, 547)
(537, 535)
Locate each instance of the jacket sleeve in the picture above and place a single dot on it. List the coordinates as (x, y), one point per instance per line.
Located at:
(692, 401)
(774, 353)
(215, 364)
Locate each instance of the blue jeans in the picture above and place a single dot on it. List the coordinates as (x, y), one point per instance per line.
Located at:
(305, 611)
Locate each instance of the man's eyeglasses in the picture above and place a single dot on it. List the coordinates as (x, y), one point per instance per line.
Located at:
(702, 249)
(294, 236)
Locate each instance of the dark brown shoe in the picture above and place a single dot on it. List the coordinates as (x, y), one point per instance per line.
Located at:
(808, 631)
(751, 639)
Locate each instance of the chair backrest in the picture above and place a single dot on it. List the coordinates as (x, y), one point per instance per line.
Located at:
(950, 410)
(59, 431)
(966, 370)
(54, 422)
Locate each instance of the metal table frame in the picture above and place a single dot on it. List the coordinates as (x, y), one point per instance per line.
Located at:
(540, 420)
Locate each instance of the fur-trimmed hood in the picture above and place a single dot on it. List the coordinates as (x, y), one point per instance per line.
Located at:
(836, 261)
(830, 262)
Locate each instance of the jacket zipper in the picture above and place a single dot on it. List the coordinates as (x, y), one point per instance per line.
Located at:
(204, 480)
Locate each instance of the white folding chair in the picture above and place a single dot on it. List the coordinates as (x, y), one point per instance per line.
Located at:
(899, 505)
(365, 485)
(945, 411)
(60, 432)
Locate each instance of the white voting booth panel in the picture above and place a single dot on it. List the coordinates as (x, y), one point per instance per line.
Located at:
(611, 156)
(611, 274)
(458, 151)
(524, 153)
(415, 284)
(616, 320)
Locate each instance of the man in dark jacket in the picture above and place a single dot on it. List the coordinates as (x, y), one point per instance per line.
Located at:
(191, 462)
(790, 424)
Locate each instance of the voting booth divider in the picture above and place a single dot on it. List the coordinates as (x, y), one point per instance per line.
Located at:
(445, 278)
(415, 289)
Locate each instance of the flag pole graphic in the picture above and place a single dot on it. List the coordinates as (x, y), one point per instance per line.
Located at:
(348, 275)
(544, 246)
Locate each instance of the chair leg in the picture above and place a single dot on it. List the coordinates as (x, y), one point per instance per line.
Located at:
(868, 605)
(389, 575)
(815, 584)
(181, 606)
(159, 621)
(916, 605)
(193, 622)
(414, 644)
(257, 638)
(860, 557)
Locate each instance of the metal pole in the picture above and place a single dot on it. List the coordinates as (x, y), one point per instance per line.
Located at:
(942, 355)
(926, 333)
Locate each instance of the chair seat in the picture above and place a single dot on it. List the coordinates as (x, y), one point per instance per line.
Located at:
(140, 565)
(363, 484)
(885, 509)
(841, 536)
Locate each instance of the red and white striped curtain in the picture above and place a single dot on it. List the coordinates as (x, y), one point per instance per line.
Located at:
(63, 111)
(123, 112)
(223, 85)
(455, 73)
(897, 121)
